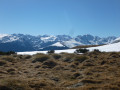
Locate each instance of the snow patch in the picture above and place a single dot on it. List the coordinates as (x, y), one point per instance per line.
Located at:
(48, 38)
(45, 52)
(115, 47)
(58, 44)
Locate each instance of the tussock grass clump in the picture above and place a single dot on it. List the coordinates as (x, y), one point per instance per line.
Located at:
(11, 71)
(56, 56)
(68, 59)
(8, 58)
(41, 58)
(91, 81)
(2, 62)
(14, 84)
(27, 56)
(115, 55)
(41, 84)
(75, 75)
(81, 58)
(49, 64)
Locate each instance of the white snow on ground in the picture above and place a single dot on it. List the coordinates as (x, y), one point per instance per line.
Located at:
(58, 44)
(45, 52)
(115, 47)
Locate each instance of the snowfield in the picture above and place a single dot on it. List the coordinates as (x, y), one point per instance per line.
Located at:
(45, 52)
(115, 47)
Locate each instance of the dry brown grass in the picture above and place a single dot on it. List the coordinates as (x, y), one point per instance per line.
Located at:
(90, 71)
(86, 46)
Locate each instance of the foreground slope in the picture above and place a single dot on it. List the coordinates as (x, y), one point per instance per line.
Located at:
(90, 71)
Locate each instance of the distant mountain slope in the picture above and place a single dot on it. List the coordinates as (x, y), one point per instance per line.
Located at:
(21, 42)
(116, 40)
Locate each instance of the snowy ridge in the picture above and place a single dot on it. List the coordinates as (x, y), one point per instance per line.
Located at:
(116, 40)
(72, 43)
(3, 35)
(21, 42)
(47, 38)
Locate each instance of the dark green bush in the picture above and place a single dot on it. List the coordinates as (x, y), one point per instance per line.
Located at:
(51, 51)
(97, 50)
(7, 53)
(81, 50)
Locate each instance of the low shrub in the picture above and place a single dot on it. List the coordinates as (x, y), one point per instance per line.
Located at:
(81, 50)
(51, 51)
(7, 53)
(97, 50)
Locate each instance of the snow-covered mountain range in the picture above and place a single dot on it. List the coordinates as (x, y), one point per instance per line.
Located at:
(21, 42)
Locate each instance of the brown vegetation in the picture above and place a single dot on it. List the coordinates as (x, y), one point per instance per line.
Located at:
(85, 46)
(89, 71)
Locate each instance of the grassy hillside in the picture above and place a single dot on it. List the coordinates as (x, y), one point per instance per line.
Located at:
(90, 71)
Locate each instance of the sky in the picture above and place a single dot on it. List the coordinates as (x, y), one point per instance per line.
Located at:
(58, 17)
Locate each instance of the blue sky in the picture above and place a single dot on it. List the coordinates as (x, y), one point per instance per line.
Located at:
(71, 17)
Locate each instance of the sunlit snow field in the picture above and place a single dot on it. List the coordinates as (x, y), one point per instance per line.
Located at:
(105, 48)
